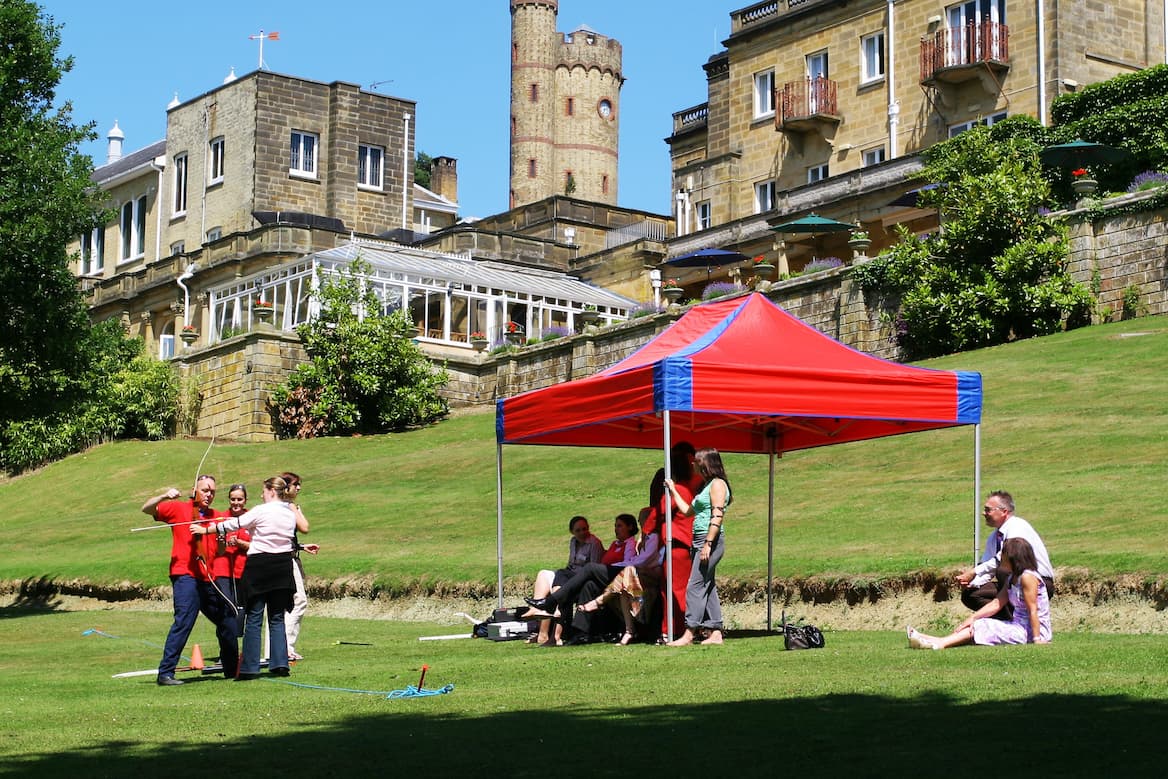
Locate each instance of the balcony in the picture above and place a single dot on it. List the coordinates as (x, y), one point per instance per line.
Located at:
(957, 54)
(807, 105)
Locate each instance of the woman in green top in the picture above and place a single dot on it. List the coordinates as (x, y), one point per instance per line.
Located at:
(703, 611)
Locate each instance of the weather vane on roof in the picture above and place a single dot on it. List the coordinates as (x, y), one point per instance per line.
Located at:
(263, 36)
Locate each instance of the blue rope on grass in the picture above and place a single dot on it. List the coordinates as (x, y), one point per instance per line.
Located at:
(96, 632)
(409, 692)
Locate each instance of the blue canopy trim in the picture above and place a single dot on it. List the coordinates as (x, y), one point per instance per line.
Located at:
(968, 397)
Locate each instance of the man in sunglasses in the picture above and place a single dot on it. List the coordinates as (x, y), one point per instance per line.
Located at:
(190, 578)
(980, 584)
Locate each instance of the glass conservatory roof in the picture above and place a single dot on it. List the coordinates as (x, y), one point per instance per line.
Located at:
(397, 262)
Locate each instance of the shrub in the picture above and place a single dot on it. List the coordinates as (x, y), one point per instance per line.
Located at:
(554, 332)
(720, 289)
(1149, 179)
(366, 375)
(998, 269)
(645, 309)
(823, 263)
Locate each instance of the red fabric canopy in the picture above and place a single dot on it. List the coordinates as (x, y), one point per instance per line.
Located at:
(742, 375)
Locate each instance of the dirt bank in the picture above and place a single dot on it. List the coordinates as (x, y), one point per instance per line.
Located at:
(1111, 606)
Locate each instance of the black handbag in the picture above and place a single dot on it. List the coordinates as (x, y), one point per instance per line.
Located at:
(801, 635)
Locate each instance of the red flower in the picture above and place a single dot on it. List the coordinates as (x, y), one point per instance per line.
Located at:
(1077, 172)
(513, 327)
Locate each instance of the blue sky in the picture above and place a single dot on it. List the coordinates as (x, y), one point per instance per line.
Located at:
(451, 56)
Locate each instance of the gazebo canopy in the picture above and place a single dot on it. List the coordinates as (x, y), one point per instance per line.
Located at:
(742, 375)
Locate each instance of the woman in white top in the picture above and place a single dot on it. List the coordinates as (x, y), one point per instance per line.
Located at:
(267, 579)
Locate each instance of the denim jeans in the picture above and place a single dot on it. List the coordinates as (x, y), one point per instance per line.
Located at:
(702, 607)
(190, 598)
(253, 636)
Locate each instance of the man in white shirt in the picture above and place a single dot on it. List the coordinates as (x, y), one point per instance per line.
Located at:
(981, 583)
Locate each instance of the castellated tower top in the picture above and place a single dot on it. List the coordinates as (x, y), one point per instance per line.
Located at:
(565, 108)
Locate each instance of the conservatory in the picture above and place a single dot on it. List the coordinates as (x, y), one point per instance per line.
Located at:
(452, 299)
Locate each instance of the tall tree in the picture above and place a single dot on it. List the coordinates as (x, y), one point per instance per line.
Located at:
(45, 200)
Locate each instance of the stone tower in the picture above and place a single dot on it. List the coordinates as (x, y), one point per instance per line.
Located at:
(565, 108)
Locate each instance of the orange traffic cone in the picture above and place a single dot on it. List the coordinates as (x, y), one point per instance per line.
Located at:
(196, 659)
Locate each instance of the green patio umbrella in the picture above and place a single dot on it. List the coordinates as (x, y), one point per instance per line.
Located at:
(1080, 154)
(813, 224)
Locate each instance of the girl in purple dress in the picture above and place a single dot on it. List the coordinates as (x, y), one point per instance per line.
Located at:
(1026, 592)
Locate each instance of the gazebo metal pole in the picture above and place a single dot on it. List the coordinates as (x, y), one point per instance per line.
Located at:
(976, 491)
(499, 517)
(770, 540)
(668, 527)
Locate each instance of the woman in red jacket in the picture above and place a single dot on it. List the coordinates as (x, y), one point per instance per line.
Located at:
(688, 481)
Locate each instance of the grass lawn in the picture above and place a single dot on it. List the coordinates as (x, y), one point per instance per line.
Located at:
(1075, 425)
(864, 706)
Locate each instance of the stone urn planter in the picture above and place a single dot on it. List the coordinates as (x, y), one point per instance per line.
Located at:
(673, 294)
(859, 242)
(588, 317)
(764, 270)
(513, 334)
(1084, 187)
(264, 313)
(189, 336)
(479, 344)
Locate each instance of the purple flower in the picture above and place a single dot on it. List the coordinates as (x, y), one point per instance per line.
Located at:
(823, 263)
(1149, 179)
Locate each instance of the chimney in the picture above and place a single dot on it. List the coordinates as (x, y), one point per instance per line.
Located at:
(444, 178)
(115, 137)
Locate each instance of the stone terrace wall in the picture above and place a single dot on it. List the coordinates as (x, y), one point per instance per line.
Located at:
(1113, 253)
(1109, 254)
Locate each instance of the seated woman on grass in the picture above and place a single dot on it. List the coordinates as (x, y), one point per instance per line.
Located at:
(637, 582)
(1025, 591)
(583, 548)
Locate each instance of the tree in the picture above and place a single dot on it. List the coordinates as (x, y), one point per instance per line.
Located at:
(423, 164)
(63, 383)
(45, 200)
(997, 269)
(366, 374)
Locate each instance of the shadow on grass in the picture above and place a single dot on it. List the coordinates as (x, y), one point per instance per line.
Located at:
(852, 735)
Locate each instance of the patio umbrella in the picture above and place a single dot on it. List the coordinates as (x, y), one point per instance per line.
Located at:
(1080, 154)
(705, 258)
(813, 224)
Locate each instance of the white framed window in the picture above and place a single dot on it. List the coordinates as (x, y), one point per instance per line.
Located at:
(180, 185)
(975, 32)
(705, 215)
(302, 161)
(764, 197)
(178, 247)
(214, 234)
(873, 156)
(988, 121)
(872, 57)
(93, 251)
(817, 75)
(132, 229)
(370, 166)
(817, 173)
(764, 94)
(166, 342)
(216, 160)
